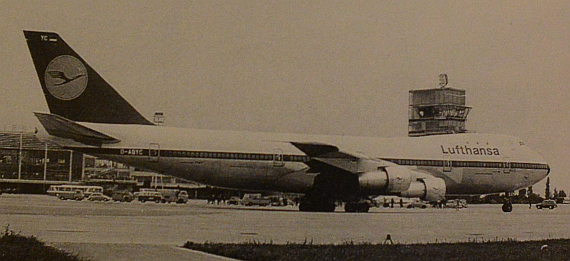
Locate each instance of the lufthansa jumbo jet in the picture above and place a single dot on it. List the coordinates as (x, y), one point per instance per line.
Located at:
(89, 116)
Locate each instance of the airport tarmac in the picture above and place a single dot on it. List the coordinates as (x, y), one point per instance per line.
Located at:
(81, 222)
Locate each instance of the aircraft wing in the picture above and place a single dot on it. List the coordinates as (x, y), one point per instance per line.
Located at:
(326, 157)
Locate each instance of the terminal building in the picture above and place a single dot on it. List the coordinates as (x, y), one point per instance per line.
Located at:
(437, 111)
(28, 165)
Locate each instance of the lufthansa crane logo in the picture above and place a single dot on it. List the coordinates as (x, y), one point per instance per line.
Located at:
(66, 77)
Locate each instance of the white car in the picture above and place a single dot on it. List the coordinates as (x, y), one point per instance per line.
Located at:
(98, 197)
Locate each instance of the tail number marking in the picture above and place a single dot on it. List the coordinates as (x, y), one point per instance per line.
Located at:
(132, 152)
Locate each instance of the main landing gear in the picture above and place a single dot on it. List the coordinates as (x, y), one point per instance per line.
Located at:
(327, 189)
(508, 206)
(309, 204)
(316, 204)
(362, 205)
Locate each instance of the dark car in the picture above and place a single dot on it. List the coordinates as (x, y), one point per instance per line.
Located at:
(122, 196)
(234, 201)
(549, 203)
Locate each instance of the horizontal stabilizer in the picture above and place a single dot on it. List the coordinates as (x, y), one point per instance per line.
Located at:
(61, 127)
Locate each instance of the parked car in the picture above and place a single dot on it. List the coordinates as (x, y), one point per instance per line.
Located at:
(549, 203)
(234, 201)
(122, 196)
(97, 196)
(456, 203)
(417, 204)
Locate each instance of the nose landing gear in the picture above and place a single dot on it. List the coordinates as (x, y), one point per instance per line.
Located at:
(508, 206)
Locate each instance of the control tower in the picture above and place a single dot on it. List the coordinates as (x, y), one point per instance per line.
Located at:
(437, 111)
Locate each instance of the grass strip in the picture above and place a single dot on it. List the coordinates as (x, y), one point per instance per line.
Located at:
(14, 246)
(551, 249)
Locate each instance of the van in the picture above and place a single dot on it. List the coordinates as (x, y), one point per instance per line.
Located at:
(255, 199)
(77, 195)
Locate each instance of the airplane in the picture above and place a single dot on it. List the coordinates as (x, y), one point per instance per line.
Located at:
(89, 116)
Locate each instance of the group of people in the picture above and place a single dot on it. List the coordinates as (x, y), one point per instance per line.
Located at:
(217, 199)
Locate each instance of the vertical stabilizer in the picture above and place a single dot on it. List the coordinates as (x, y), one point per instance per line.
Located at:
(72, 88)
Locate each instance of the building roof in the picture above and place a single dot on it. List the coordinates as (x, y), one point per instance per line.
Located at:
(11, 140)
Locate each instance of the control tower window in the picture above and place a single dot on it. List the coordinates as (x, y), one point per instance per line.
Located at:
(427, 112)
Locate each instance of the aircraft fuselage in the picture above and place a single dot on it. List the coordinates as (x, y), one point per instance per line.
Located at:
(468, 163)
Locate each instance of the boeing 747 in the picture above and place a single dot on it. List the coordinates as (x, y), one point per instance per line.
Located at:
(87, 115)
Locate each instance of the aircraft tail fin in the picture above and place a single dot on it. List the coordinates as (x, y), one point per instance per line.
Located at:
(73, 90)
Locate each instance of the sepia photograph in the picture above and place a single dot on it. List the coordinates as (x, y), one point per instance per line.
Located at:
(284, 130)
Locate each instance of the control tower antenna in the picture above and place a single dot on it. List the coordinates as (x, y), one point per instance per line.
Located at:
(443, 80)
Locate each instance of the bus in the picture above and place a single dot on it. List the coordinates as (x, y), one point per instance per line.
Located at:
(76, 192)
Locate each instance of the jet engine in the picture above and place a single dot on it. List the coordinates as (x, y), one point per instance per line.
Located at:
(430, 189)
(398, 180)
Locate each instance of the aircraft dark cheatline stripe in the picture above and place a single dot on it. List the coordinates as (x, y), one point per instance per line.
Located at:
(472, 164)
(298, 158)
(191, 154)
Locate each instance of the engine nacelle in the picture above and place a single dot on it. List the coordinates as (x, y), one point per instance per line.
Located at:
(429, 189)
(373, 183)
(398, 180)
(390, 180)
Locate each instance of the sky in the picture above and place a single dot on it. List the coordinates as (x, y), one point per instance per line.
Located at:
(318, 67)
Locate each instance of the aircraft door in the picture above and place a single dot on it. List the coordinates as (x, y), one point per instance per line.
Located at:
(153, 152)
(278, 158)
(506, 166)
(446, 164)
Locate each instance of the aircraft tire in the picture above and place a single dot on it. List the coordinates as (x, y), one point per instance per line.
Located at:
(507, 207)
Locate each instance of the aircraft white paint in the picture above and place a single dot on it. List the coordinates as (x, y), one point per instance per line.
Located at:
(88, 115)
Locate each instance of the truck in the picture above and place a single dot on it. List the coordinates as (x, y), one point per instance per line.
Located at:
(162, 195)
(255, 200)
(174, 195)
(148, 195)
